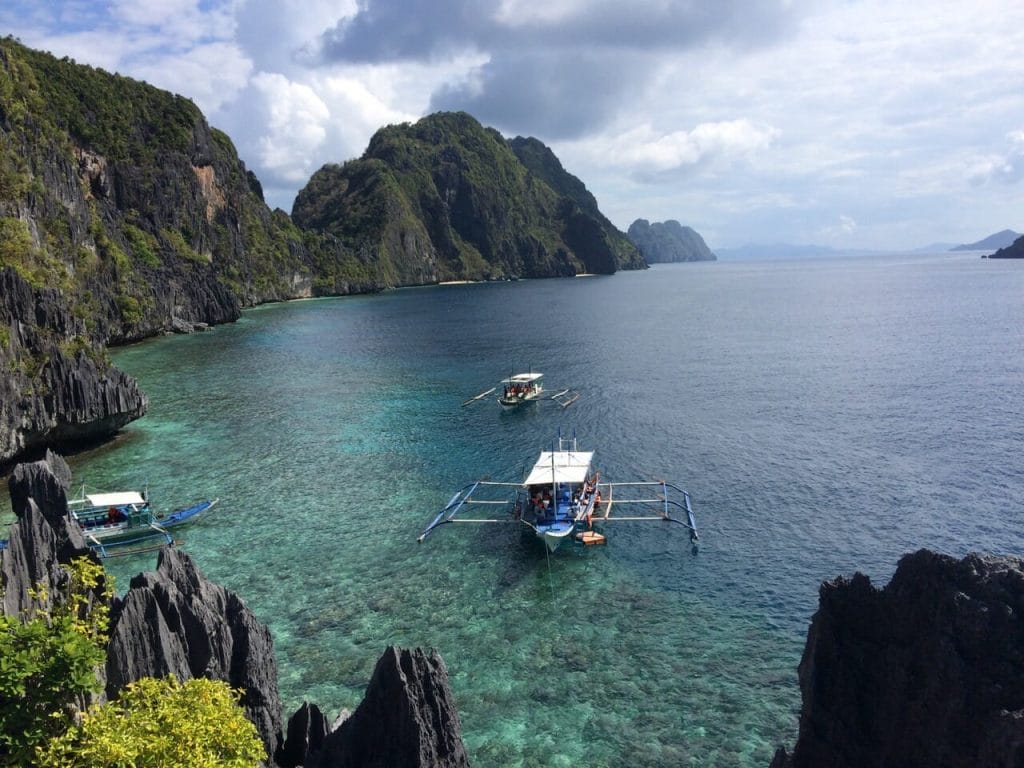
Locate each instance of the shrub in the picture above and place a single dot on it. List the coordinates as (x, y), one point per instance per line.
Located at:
(195, 724)
(49, 660)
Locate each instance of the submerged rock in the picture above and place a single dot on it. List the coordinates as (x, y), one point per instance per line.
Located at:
(928, 671)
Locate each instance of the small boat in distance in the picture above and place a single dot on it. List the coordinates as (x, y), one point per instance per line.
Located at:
(125, 523)
(521, 388)
(561, 498)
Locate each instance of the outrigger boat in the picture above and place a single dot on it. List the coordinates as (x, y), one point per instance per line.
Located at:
(124, 523)
(521, 388)
(561, 499)
(115, 523)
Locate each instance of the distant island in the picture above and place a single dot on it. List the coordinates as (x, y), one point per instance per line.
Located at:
(1013, 251)
(765, 251)
(668, 241)
(992, 242)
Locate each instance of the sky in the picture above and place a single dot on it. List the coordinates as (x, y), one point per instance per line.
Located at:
(856, 124)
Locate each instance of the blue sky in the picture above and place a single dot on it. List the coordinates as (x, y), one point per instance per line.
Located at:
(849, 123)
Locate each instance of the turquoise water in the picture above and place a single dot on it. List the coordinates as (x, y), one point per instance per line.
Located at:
(827, 416)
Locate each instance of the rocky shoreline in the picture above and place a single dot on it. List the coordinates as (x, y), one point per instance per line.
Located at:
(175, 621)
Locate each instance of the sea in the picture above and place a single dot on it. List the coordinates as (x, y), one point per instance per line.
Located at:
(827, 417)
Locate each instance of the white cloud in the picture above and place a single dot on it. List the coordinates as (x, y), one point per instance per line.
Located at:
(1007, 167)
(295, 127)
(644, 150)
(210, 75)
(761, 120)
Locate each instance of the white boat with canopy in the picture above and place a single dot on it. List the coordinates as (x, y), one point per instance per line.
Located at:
(521, 388)
(562, 498)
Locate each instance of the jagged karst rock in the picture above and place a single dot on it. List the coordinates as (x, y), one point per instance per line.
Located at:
(43, 537)
(928, 671)
(50, 396)
(307, 729)
(668, 241)
(175, 621)
(407, 719)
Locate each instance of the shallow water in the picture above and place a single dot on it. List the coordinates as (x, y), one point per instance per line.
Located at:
(827, 417)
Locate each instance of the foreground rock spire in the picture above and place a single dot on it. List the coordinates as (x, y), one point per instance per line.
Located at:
(928, 671)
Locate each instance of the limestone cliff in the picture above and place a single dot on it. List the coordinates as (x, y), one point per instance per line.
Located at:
(446, 198)
(57, 388)
(928, 671)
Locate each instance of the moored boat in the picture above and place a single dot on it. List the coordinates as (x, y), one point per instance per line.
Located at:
(125, 523)
(521, 388)
(561, 498)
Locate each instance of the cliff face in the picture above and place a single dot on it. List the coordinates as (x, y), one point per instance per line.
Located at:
(446, 198)
(122, 215)
(668, 241)
(57, 388)
(928, 671)
(175, 621)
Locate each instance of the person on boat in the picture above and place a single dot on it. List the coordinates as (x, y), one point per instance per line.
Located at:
(115, 515)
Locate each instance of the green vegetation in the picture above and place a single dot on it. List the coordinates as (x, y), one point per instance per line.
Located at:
(50, 660)
(176, 241)
(195, 724)
(144, 246)
(17, 249)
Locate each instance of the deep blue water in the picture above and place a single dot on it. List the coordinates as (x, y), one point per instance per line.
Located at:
(827, 417)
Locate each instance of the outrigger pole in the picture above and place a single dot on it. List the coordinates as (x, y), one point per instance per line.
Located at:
(479, 397)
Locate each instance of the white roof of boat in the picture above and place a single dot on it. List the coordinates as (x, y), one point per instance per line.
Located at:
(115, 499)
(562, 466)
(522, 378)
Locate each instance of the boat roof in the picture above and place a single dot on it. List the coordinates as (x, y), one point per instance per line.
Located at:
(115, 499)
(522, 378)
(561, 467)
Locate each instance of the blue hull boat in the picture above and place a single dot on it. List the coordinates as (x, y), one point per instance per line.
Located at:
(561, 499)
(125, 523)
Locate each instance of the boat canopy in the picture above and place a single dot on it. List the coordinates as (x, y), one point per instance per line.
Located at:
(522, 378)
(562, 467)
(115, 499)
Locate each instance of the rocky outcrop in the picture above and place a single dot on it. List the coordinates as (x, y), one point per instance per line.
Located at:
(407, 718)
(42, 538)
(668, 241)
(56, 388)
(174, 621)
(928, 671)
